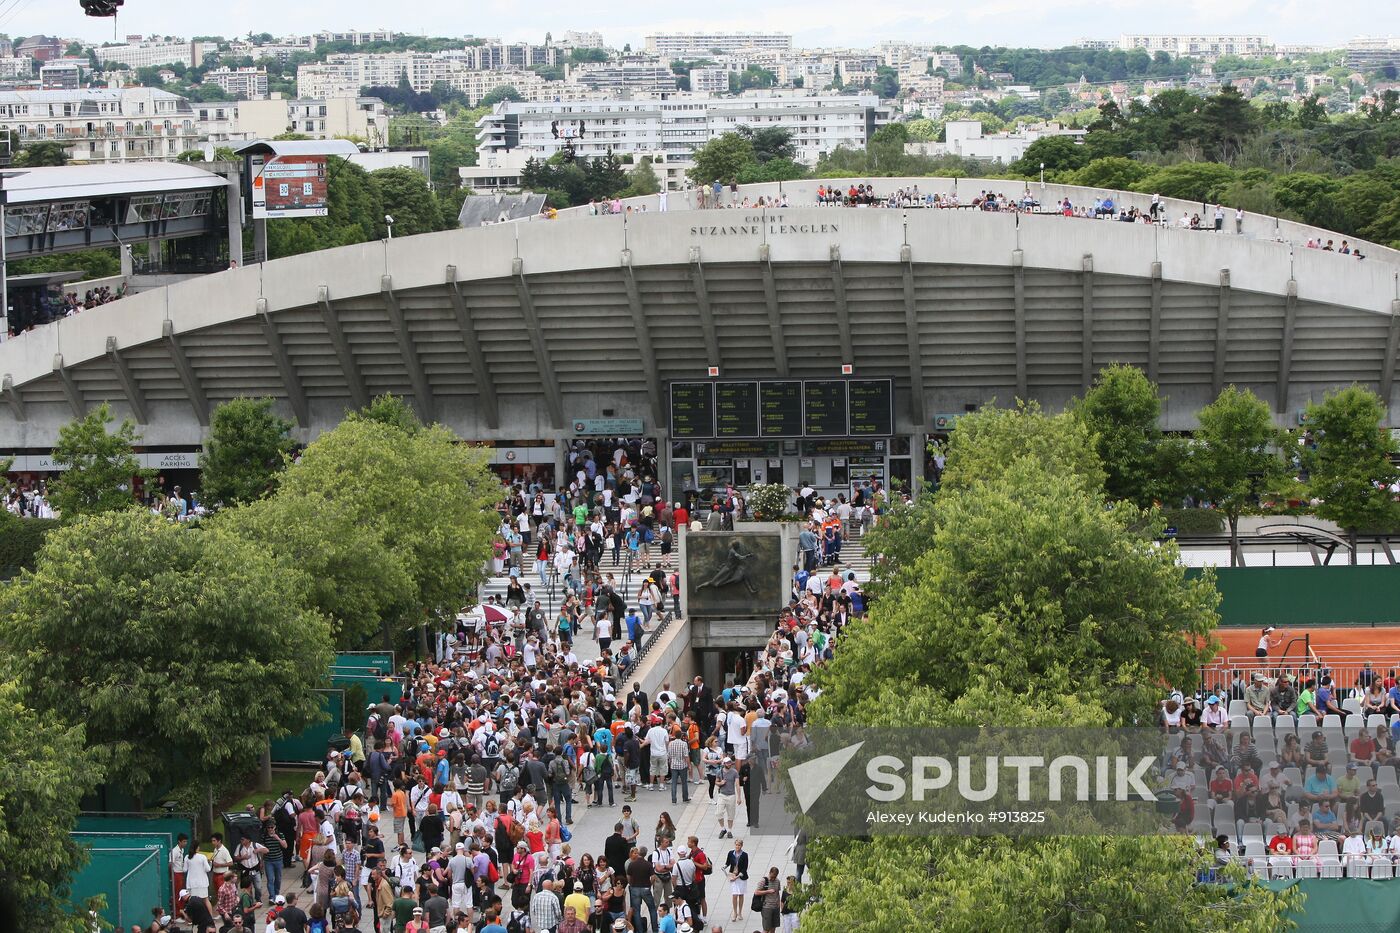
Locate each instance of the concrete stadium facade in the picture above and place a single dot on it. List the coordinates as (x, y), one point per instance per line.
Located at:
(518, 331)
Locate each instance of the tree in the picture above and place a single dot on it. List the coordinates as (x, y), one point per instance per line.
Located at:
(181, 649)
(1234, 457)
(244, 452)
(94, 263)
(428, 498)
(642, 180)
(498, 94)
(1113, 172)
(1121, 410)
(341, 565)
(721, 159)
(770, 142)
(39, 802)
(1058, 153)
(405, 196)
(1189, 181)
(38, 154)
(985, 631)
(100, 465)
(1348, 464)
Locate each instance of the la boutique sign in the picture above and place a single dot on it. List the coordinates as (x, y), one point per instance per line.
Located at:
(758, 224)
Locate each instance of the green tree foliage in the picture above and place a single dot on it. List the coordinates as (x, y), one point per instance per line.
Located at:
(986, 631)
(770, 142)
(50, 769)
(1114, 172)
(101, 465)
(1349, 464)
(722, 158)
(1235, 456)
(1058, 153)
(37, 154)
(20, 541)
(1190, 181)
(754, 76)
(427, 498)
(579, 180)
(405, 196)
(181, 649)
(245, 451)
(340, 564)
(1121, 411)
(504, 92)
(93, 263)
(642, 180)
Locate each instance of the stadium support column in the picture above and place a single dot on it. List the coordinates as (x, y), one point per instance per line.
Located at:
(485, 386)
(702, 303)
(417, 378)
(1392, 344)
(1285, 350)
(1154, 323)
(1018, 291)
(843, 315)
(1086, 353)
(12, 397)
(296, 395)
(911, 333)
(775, 318)
(70, 388)
(235, 220)
(135, 398)
(188, 378)
(644, 342)
(549, 380)
(354, 383)
(1222, 334)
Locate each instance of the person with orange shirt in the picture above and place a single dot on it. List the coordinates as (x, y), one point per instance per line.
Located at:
(398, 803)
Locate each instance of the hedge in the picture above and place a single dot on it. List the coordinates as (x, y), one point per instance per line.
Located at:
(1194, 521)
(20, 540)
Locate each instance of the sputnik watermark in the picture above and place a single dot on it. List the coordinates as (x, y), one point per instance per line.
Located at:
(980, 781)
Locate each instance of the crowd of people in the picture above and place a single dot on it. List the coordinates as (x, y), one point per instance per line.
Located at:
(33, 307)
(1293, 773)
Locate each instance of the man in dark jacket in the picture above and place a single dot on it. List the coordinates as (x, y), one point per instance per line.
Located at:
(616, 849)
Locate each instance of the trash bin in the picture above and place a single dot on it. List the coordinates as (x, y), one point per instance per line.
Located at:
(240, 826)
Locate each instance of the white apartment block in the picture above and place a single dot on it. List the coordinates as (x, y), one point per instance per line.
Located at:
(127, 124)
(238, 121)
(708, 44)
(355, 37)
(61, 75)
(678, 126)
(1197, 46)
(150, 54)
(623, 77)
(243, 83)
(573, 39)
(709, 80)
(19, 66)
(475, 85)
(324, 81)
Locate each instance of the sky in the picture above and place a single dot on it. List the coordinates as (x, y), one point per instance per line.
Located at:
(1033, 23)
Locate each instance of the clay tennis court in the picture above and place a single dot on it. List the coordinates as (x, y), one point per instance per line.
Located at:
(1340, 650)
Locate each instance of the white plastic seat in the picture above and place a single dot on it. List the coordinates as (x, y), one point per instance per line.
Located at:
(1238, 708)
(1224, 818)
(1251, 832)
(1353, 724)
(1332, 721)
(1306, 868)
(1239, 722)
(1382, 869)
(1329, 866)
(1283, 724)
(1281, 866)
(1388, 782)
(1255, 848)
(1351, 705)
(1374, 720)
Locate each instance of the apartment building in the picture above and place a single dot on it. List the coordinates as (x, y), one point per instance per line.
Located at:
(156, 52)
(1203, 46)
(243, 83)
(695, 44)
(709, 80)
(126, 124)
(61, 75)
(355, 37)
(624, 78)
(676, 127)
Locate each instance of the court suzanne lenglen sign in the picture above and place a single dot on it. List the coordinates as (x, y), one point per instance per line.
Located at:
(759, 224)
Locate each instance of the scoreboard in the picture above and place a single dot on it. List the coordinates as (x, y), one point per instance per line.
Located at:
(782, 408)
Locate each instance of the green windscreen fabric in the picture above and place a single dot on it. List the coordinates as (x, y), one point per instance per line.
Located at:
(1345, 905)
(1298, 596)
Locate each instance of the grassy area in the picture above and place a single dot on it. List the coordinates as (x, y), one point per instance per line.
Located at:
(293, 779)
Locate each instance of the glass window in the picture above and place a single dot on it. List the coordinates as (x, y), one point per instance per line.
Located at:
(143, 208)
(68, 215)
(24, 219)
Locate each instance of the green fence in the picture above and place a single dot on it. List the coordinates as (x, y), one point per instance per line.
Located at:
(129, 869)
(310, 745)
(1301, 596)
(1345, 905)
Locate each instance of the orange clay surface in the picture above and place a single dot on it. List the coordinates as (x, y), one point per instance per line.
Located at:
(1241, 642)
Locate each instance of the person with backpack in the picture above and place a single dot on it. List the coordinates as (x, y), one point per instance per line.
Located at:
(560, 774)
(507, 780)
